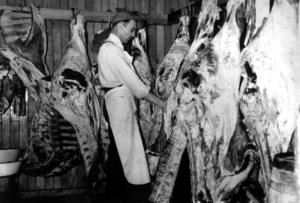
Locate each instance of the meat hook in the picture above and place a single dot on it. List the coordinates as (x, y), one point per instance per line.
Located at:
(74, 15)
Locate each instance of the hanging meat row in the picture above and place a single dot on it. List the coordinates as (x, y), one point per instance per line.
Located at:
(233, 105)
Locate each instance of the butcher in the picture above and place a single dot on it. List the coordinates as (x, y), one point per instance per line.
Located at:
(122, 88)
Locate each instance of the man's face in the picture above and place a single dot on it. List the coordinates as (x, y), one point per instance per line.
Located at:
(127, 31)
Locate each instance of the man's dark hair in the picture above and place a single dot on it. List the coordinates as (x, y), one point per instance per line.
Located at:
(123, 21)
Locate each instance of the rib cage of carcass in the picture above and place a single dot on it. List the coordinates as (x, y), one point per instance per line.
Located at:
(271, 79)
(204, 107)
(70, 92)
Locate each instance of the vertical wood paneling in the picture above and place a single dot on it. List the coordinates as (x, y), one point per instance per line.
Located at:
(3, 2)
(121, 4)
(129, 5)
(174, 7)
(80, 4)
(160, 34)
(104, 8)
(137, 5)
(4, 183)
(97, 26)
(97, 5)
(152, 36)
(144, 6)
(182, 3)
(167, 29)
(15, 131)
(2, 135)
(113, 4)
(6, 129)
(104, 5)
(89, 4)
(90, 32)
(72, 4)
(12, 2)
(23, 144)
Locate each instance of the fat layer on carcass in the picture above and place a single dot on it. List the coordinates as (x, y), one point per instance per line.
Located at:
(74, 95)
(204, 104)
(271, 79)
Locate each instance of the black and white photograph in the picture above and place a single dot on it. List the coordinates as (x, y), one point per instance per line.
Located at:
(149, 101)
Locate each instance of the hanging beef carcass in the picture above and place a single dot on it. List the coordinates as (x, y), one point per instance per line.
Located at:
(204, 107)
(23, 45)
(271, 78)
(144, 71)
(74, 96)
(171, 148)
(71, 92)
(168, 70)
(165, 81)
(23, 33)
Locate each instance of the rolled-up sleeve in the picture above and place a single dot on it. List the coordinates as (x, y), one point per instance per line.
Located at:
(120, 67)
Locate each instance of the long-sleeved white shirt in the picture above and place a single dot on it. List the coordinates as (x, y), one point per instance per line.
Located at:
(115, 68)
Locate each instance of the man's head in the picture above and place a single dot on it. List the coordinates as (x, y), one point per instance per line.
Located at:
(125, 30)
(124, 25)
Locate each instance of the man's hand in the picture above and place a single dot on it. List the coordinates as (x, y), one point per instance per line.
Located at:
(156, 100)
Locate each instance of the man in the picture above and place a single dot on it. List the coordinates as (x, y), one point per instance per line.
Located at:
(123, 86)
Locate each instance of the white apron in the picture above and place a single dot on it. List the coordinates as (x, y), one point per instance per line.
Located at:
(122, 113)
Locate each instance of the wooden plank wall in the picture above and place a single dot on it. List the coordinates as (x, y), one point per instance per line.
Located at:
(15, 130)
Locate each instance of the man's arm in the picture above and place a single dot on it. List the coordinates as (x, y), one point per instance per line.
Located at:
(155, 100)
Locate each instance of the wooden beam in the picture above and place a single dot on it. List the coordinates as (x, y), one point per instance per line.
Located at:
(93, 16)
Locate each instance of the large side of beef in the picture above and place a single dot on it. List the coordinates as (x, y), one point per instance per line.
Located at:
(204, 106)
(74, 95)
(24, 34)
(145, 72)
(269, 94)
(169, 147)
